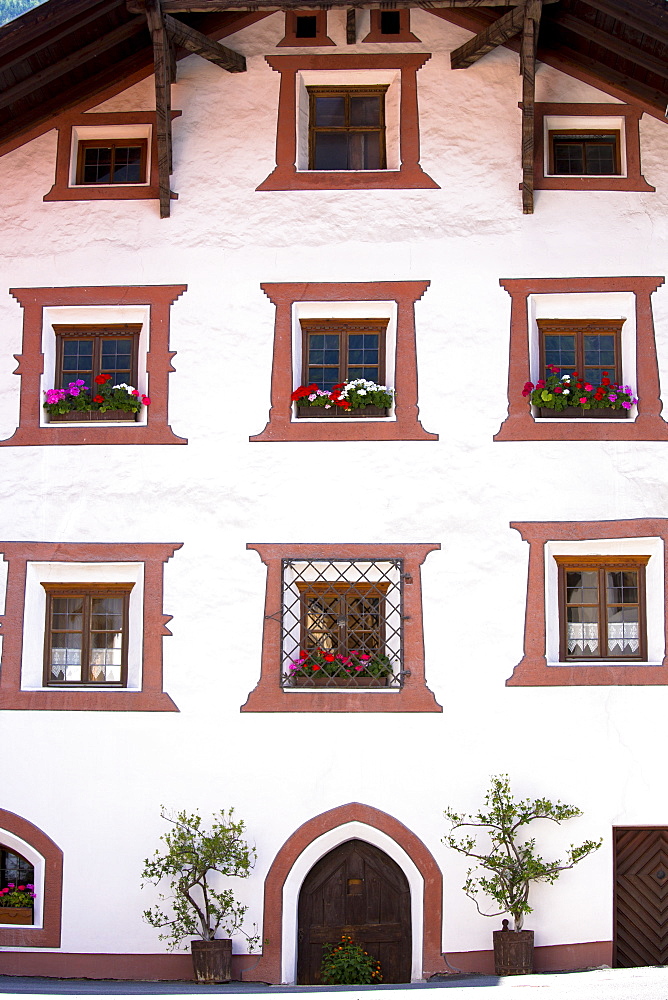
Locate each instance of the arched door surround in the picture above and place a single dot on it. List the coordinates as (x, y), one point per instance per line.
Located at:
(316, 838)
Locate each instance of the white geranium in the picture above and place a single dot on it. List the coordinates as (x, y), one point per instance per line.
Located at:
(128, 388)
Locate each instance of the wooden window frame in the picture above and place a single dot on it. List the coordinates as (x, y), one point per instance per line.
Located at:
(293, 40)
(520, 425)
(374, 90)
(345, 590)
(580, 327)
(98, 333)
(344, 327)
(376, 33)
(629, 178)
(602, 565)
(555, 134)
(88, 591)
(413, 696)
(113, 144)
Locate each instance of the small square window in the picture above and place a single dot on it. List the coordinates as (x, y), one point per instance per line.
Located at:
(305, 28)
(86, 634)
(347, 128)
(117, 161)
(602, 609)
(582, 152)
(390, 22)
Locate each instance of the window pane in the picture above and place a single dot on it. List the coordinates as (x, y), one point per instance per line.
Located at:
(77, 362)
(568, 158)
(324, 378)
(363, 349)
(320, 623)
(600, 158)
(559, 350)
(14, 868)
(330, 111)
(97, 165)
(127, 165)
(331, 151)
(66, 656)
(582, 631)
(116, 357)
(582, 587)
(365, 110)
(364, 151)
(363, 624)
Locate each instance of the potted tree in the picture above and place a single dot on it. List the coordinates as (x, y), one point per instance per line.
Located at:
(511, 865)
(198, 909)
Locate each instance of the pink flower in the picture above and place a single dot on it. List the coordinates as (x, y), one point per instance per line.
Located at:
(135, 392)
(583, 399)
(588, 387)
(364, 656)
(627, 406)
(612, 397)
(146, 401)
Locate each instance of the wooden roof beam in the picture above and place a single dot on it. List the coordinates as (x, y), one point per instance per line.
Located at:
(194, 41)
(205, 6)
(532, 12)
(613, 43)
(163, 100)
(498, 33)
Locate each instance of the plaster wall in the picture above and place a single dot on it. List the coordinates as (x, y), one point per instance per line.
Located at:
(94, 782)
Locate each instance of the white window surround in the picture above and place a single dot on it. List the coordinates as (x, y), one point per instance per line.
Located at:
(34, 617)
(585, 305)
(586, 123)
(654, 590)
(312, 854)
(345, 310)
(14, 843)
(95, 315)
(350, 78)
(83, 133)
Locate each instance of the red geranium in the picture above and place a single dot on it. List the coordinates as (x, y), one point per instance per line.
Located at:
(98, 399)
(101, 379)
(304, 390)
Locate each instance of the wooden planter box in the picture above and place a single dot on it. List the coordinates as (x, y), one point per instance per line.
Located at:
(79, 415)
(576, 411)
(15, 915)
(324, 681)
(513, 953)
(320, 413)
(212, 961)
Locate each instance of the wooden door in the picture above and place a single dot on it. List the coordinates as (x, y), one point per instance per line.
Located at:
(641, 896)
(358, 890)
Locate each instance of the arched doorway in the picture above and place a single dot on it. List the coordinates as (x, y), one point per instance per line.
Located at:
(359, 890)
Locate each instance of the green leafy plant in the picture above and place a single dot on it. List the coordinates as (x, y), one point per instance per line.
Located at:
(17, 895)
(354, 394)
(78, 397)
(347, 964)
(355, 664)
(191, 855)
(560, 392)
(512, 864)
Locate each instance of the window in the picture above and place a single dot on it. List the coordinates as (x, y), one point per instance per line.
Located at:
(340, 618)
(119, 161)
(14, 868)
(317, 334)
(624, 335)
(28, 855)
(588, 147)
(305, 27)
(584, 152)
(84, 626)
(347, 128)
(347, 121)
(342, 623)
(106, 156)
(602, 604)
(84, 331)
(86, 636)
(595, 605)
(390, 26)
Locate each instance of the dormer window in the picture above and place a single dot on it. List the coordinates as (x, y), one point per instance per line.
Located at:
(118, 161)
(581, 153)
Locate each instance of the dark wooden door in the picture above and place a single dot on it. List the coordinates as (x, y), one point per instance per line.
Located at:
(641, 896)
(355, 889)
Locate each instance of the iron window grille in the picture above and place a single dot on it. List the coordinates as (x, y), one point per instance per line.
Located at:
(342, 623)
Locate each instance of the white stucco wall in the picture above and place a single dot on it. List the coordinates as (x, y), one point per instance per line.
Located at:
(94, 782)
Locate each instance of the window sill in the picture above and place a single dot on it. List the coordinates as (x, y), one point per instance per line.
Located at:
(291, 179)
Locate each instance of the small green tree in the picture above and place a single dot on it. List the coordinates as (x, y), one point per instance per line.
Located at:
(191, 854)
(512, 865)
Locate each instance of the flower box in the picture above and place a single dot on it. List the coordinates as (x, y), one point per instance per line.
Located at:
(80, 415)
(577, 412)
(15, 915)
(319, 412)
(325, 681)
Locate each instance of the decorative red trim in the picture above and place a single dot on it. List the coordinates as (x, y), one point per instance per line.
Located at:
(151, 698)
(547, 958)
(634, 181)
(61, 190)
(48, 935)
(407, 426)
(68, 965)
(290, 37)
(286, 177)
(532, 670)
(158, 365)
(268, 969)
(414, 696)
(519, 425)
(403, 35)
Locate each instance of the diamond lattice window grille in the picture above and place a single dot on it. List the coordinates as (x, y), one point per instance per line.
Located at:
(342, 623)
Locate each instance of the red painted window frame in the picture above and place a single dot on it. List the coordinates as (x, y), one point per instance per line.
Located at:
(414, 696)
(48, 935)
(403, 35)
(158, 365)
(407, 426)
(520, 425)
(151, 697)
(290, 38)
(533, 669)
